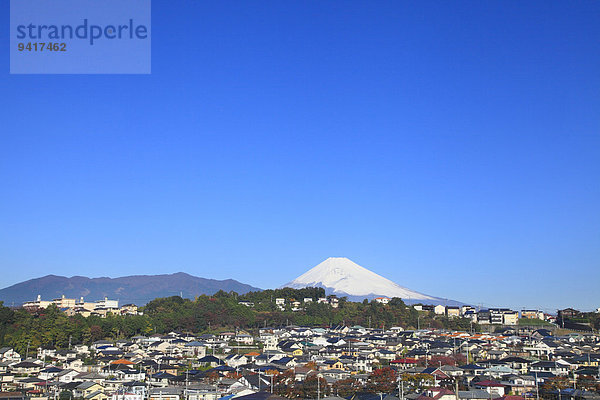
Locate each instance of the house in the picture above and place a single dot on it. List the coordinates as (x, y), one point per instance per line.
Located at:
(552, 367)
(568, 313)
(8, 354)
(476, 394)
(235, 360)
(138, 388)
(194, 348)
(202, 392)
(465, 309)
(88, 388)
(129, 309)
(452, 370)
(49, 372)
(124, 395)
(453, 312)
(439, 309)
(210, 361)
(333, 364)
(532, 314)
(492, 387)
(165, 393)
(438, 393)
(510, 318)
(26, 367)
(404, 363)
(520, 384)
(66, 375)
(539, 349)
(382, 300)
(334, 301)
(254, 381)
(97, 395)
(385, 354)
(12, 396)
(244, 338)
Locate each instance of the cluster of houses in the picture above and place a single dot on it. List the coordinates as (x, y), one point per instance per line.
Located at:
(78, 306)
(494, 316)
(511, 365)
(298, 305)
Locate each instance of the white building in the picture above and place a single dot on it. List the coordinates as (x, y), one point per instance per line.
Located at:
(106, 303)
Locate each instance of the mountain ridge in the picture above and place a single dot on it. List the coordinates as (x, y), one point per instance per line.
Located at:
(136, 289)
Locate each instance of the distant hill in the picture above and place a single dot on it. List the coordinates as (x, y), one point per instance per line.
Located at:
(137, 289)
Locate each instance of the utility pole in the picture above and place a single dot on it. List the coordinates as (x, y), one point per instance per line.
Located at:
(468, 362)
(456, 386)
(187, 375)
(400, 387)
(318, 388)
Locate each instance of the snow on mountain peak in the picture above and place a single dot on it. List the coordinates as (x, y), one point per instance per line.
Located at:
(342, 276)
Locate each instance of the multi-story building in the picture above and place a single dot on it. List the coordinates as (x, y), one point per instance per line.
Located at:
(484, 317)
(38, 303)
(503, 316)
(510, 318)
(106, 303)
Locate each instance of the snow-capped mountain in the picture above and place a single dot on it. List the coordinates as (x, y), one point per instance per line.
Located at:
(341, 276)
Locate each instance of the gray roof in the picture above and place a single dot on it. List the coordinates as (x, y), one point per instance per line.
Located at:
(473, 394)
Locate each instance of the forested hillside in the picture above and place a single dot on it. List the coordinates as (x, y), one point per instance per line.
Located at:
(51, 328)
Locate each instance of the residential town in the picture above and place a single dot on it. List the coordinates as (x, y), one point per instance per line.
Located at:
(513, 361)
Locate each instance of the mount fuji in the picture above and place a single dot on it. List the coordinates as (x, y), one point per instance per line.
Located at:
(343, 277)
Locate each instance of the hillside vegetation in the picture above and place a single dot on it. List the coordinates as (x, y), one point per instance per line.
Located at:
(49, 327)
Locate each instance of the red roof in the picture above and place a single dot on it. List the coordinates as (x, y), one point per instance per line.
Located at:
(122, 361)
(404, 361)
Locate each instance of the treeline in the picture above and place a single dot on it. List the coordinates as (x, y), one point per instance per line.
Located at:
(50, 327)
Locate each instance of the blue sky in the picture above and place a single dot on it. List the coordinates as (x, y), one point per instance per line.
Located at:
(453, 147)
